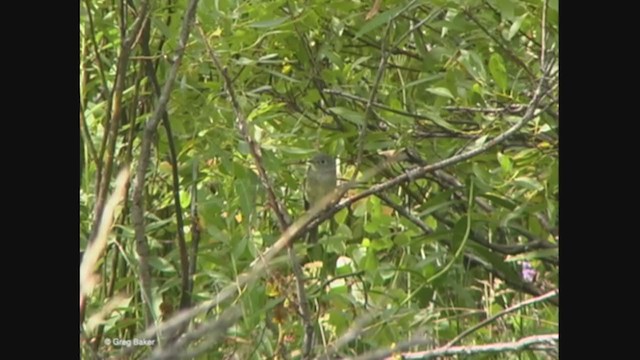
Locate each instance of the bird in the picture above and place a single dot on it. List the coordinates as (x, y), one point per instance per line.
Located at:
(321, 180)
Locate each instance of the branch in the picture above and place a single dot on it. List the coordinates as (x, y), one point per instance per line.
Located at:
(352, 333)
(501, 314)
(368, 107)
(243, 126)
(519, 285)
(150, 130)
(543, 36)
(213, 329)
(449, 350)
(303, 306)
(522, 344)
(114, 121)
(387, 108)
(311, 218)
(420, 171)
(195, 225)
(94, 42)
(395, 51)
(185, 299)
(500, 44)
(258, 267)
(405, 212)
(104, 173)
(86, 137)
(279, 209)
(509, 23)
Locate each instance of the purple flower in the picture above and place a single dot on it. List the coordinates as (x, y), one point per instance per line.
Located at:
(528, 273)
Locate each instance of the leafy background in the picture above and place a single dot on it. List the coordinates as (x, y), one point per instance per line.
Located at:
(422, 260)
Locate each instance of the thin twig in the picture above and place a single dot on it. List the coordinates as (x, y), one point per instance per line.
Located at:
(405, 212)
(497, 12)
(94, 42)
(150, 130)
(213, 329)
(516, 283)
(502, 46)
(86, 137)
(395, 50)
(185, 299)
(303, 306)
(352, 333)
(195, 225)
(114, 121)
(390, 109)
(543, 35)
(368, 110)
(522, 344)
(243, 126)
(502, 313)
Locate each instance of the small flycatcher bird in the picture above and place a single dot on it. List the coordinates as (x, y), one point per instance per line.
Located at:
(320, 181)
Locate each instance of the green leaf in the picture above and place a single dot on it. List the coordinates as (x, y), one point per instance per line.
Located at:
(381, 19)
(532, 255)
(498, 70)
(505, 163)
(459, 231)
(157, 224)
(438, 206)
(247, 197)
(495, 262)
(506, 8)
(161, 264)
(482, 174)
(280, 75)
(516, 26)
(381, 244)
(501, 201)
(269, 23)
(425, 79)
(355, 117)
(185, 199)
(359, 61)
(370, 262)
(441, 91)
(361, 208)
(528, 183)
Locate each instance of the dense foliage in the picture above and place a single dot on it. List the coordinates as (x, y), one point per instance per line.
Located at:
(390, 88)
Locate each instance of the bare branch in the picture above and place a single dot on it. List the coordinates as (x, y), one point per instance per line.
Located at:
(150, 130)
(214, 330)
(185, 299)
(352, 333)
(543, 37)
(523, 344)
(102, 179)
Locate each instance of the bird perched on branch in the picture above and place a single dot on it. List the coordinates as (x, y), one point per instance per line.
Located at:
(320, 181)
